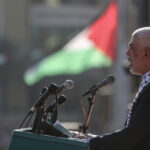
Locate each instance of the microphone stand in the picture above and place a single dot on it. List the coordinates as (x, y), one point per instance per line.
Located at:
(91, 99)
(55, 111)
(38, 119)
(31, 112)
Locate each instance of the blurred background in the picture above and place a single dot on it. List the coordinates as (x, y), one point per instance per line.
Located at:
(30, 30)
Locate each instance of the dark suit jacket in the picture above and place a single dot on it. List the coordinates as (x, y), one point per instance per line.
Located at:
(135, 136)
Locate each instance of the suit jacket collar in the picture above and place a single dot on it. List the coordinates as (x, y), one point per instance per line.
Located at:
(136, 103)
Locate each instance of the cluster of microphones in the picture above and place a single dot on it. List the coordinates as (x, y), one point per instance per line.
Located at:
(46, 116)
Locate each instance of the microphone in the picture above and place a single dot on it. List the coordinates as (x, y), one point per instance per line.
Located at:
(61, 100)
(108, 80)
(52, 89)
(67, 85)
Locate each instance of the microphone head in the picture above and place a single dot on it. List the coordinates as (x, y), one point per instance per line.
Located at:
(68, 84)
(62, 99)
(110, 79)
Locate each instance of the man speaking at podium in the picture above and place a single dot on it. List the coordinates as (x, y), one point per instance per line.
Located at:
(136, 133)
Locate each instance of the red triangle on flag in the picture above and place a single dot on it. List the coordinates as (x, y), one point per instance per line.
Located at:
(103, 31)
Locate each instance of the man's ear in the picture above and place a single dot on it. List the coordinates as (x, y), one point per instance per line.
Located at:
(147, 52)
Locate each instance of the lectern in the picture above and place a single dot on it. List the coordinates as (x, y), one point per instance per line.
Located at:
(23, 139)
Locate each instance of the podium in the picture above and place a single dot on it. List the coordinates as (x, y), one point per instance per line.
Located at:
(23, 139)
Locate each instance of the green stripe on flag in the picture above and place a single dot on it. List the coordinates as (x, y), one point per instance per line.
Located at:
(67, 62)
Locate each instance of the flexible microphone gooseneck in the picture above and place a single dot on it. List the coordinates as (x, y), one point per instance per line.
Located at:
(108, 80)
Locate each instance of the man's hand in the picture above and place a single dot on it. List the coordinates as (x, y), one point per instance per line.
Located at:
(81, 135)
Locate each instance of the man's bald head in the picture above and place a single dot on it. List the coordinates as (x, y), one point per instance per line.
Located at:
(142, 31)
(143, 35)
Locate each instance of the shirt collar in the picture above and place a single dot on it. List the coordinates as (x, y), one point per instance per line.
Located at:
(147, 74)
(145, 80)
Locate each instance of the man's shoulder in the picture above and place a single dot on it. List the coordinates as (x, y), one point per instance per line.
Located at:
(146, 90)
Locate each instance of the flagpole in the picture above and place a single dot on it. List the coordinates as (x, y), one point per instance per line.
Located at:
(121, 90)
(1, 37)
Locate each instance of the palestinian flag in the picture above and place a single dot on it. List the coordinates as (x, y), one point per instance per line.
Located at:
(94, 47)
